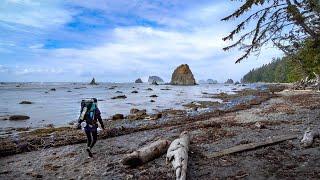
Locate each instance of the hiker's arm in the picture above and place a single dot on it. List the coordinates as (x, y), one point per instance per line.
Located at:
(98, 115)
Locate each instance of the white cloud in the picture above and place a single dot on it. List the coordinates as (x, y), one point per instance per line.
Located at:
(37, 14)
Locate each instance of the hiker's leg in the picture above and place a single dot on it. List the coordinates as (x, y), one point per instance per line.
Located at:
(94, 138)
(89, 139)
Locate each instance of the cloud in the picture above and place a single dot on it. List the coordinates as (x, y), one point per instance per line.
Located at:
(37, 14)
(116, 40)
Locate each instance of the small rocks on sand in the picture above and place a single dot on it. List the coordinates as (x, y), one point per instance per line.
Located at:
(153, 96)
(119, 97)
(149, 89)
(53, 89)
(18, 117)
(134, 92)
(119, 92)
(25, 102)
(117, 117)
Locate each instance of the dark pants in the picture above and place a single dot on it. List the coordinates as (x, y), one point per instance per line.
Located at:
(91, 137)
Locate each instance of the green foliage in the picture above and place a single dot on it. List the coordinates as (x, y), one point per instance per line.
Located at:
(289, 68)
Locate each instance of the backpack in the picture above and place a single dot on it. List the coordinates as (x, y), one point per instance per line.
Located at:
(87, 112)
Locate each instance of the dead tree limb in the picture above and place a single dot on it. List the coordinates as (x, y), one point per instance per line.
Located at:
(146, 153)
(178, 155)
(250, 146)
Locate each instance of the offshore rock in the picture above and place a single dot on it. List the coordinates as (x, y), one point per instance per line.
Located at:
(182, 75)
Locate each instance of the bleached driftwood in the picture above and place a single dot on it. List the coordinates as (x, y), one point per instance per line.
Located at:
(317, 83)
(309, 136)
(146, 153)
(250, 146)
(178, 155)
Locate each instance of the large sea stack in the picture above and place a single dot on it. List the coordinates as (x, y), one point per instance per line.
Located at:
(182, 75)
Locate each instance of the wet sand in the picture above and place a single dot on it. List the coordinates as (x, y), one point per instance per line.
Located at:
(282, 113)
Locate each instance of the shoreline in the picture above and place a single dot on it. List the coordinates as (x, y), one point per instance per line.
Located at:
(284, 112)
(25, 140)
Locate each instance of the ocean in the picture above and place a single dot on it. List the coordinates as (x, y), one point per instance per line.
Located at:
(62, 106)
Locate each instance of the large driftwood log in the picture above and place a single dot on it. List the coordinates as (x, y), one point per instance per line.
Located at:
(317, 83)
(309, 137)
(250, 146)
(147, 153)
(178, 155)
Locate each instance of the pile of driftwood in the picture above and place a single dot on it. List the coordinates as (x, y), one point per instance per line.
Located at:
(307, 83)
(177, 150)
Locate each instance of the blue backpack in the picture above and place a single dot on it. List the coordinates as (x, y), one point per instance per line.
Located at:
(88, 110)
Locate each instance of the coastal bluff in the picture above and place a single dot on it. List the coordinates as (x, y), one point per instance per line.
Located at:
(182, 75)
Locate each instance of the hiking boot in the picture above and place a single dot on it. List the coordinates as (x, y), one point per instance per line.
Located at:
(89, 152)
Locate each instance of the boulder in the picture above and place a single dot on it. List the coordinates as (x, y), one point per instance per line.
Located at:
(149, 89)
(152, 100)
(117, 117)
(138, 81)
(93, 82)
(53, 89)
(182, 75)
(155, 79)
(237, 83)
(134, 110)
(18, 117)
(155, 116)
(136, 114)
(229, 81)
(153, 96)
(119, 97)
(25, 102)
(134, 92)
(154, 82)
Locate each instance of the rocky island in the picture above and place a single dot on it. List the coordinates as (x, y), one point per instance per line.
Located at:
(182, 75)
(155, 80)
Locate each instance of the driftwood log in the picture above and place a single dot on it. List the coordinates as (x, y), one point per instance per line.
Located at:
(147, 153)
(317, 83)
(306, 83)
(178, 155)
(309, 137)
(250, 146)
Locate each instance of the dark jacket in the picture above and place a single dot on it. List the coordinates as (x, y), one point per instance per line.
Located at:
(94, 125)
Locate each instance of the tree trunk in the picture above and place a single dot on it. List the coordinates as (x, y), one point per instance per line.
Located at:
(251, 146)
(178, 155)
(147, 153)
(309, 137)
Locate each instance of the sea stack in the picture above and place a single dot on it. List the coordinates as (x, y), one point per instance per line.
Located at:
(182, 75)
(155, 79)
(229, 81)
(138, 81)
(93, 82)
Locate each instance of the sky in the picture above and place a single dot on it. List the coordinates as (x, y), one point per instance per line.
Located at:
(118, 40)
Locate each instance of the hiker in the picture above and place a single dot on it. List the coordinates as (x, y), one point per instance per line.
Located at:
(89, 117)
